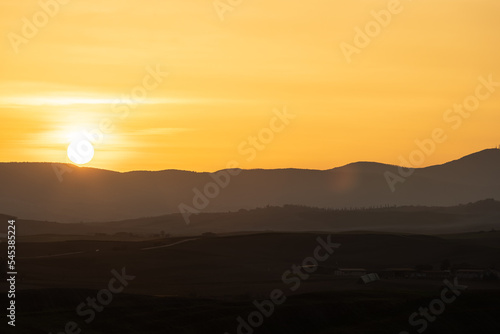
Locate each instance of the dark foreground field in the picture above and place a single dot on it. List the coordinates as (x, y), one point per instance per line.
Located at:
(328, 312)
(203, 284)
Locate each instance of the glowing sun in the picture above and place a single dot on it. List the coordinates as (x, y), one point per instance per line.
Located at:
(80, 151)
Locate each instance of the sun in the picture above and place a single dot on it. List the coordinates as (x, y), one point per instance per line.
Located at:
(80, 151)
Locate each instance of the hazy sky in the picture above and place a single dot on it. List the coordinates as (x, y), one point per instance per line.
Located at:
(225, 78)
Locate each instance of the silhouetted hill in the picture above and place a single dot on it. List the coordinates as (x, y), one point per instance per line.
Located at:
(473, 217)
(33, 190)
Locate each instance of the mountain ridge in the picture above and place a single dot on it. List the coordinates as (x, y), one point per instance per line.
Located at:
(34, 191)
(471, 155)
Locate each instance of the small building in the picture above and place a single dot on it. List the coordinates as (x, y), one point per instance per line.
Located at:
(369, 278)
(350, 272)
(471, 274)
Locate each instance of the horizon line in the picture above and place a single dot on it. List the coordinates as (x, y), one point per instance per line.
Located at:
(244, 169)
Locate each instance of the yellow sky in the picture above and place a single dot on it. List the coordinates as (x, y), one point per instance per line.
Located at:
(225, 78)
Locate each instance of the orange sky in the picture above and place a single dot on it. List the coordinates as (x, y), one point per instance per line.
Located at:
(225, 78)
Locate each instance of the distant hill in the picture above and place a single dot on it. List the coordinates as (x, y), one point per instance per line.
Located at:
(33, 190)
(473, 217)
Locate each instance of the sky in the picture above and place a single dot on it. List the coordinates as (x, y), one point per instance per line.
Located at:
(193, 85)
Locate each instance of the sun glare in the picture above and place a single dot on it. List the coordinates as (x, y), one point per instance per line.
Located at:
(80, 151)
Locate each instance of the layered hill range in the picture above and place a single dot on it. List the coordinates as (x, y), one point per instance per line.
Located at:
(70, 194)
